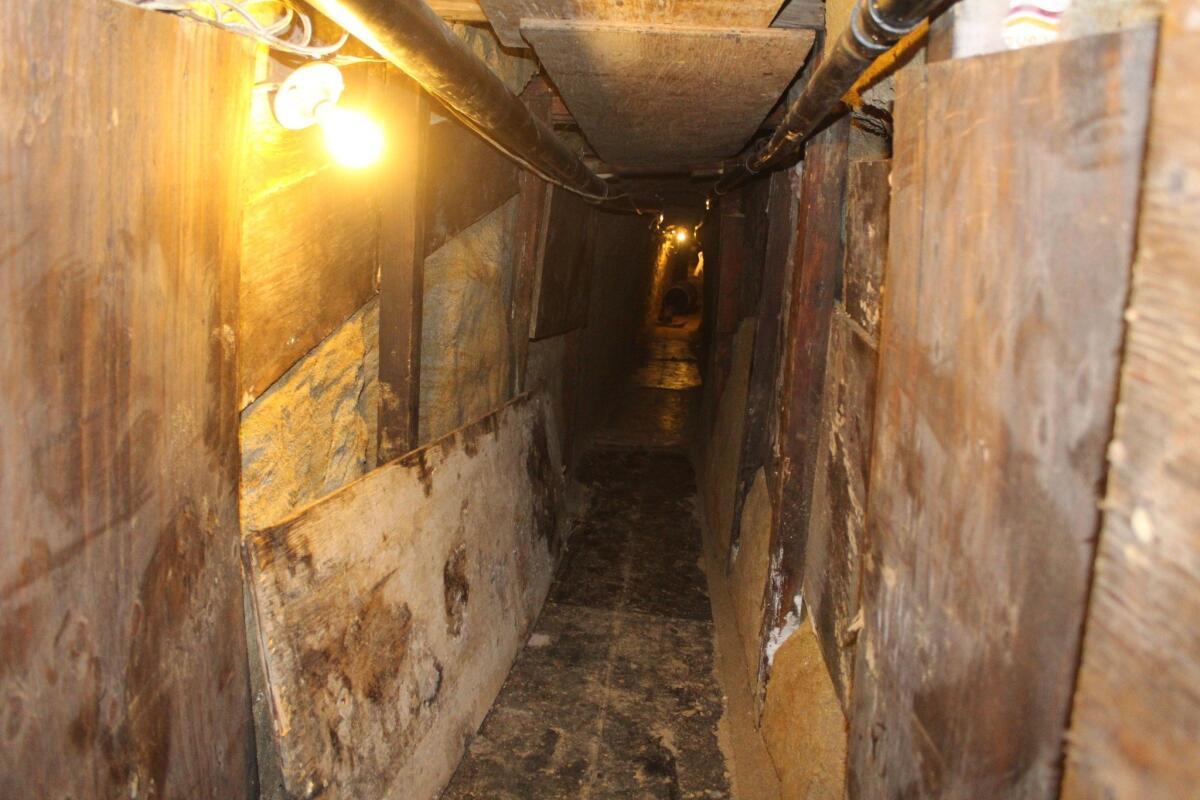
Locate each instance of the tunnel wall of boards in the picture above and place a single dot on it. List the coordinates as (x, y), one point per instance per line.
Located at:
(963, 436)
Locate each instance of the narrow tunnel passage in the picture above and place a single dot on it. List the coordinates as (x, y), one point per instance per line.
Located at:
(615, 694)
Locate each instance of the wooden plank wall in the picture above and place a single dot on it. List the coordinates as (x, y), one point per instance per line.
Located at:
(762, 399)
(123, 663)
(814, 288)
(1137, 710)
(1011, 236)
(837, 527)
(390, 611)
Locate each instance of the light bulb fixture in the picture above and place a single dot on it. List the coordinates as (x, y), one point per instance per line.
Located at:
(681, 235)
(309, 96)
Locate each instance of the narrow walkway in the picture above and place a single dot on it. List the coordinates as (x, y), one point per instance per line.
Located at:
(614, 696)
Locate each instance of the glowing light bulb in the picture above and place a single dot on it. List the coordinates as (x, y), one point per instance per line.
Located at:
(681, 235)
(352, 138)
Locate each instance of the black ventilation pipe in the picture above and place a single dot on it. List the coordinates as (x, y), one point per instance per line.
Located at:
(410, 35)
(875, 27)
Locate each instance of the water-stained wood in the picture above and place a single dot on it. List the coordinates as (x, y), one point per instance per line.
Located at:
(1015, 181)
(122, 652)
(815, 285)
(564, 264)
(836, 531)
(1137, 710)
(663, 97)
(389, 612)
(506, 16)
(761, 397)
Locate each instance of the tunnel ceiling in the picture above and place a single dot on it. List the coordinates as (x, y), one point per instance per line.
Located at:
(663, 86)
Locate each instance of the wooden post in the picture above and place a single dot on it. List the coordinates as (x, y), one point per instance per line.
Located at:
(401, 264)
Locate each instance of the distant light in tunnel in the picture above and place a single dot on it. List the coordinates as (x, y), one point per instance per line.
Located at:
(681, 235)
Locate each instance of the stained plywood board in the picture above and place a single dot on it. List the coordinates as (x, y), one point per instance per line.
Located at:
(837, 530)
(122, 647)
(667, 97)
(507, 16)
(564, 264)
(390, 612)
(815, 278)
(1136, 719)
(1011, 237)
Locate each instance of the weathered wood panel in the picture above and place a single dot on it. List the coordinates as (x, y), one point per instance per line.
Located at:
(122, 653)
(1007, 275)
(564, 264)
(761, 396)
(539, 98)
(867, 198)
(506, 16)
(401, 260)
(835, 538)
(390, 612)
(710, 88)
(471, 178)
(816, 281)
(1137, 710)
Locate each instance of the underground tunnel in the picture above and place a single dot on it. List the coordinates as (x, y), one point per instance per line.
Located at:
(556, 399)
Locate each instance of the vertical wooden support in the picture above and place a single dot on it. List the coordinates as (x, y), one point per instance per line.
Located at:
(762, 395)
(815, 286)
(1137, 710)
(836, 533)
(401, 261)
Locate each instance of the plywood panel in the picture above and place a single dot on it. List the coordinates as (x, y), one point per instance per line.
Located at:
(506, 15)
(667, 97)
(390, 612)
(836, 531)
(564, 264)
(122, 649)
(1137, 711)
(1010, 243)
(815, 279)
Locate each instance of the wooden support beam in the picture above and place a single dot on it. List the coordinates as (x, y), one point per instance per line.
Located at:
(401, 254)
(814, 288)
(762, 397)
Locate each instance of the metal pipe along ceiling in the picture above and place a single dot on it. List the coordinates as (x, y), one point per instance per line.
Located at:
(410, 35)
(875, 27)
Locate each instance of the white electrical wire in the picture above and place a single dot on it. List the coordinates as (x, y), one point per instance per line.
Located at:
(290, 32)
